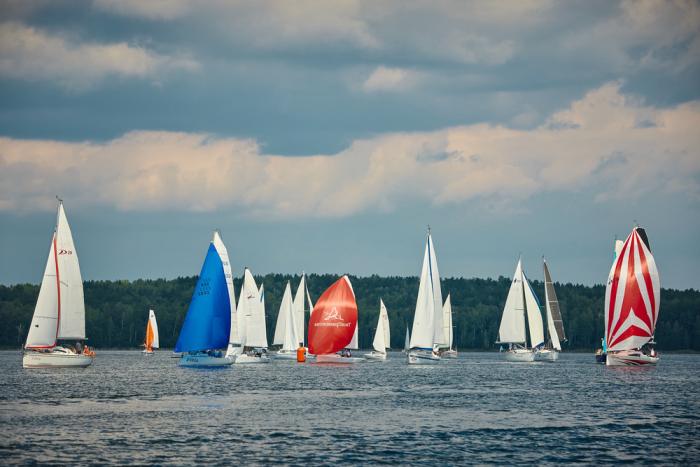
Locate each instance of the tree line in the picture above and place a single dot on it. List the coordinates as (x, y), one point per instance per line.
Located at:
(116, 311)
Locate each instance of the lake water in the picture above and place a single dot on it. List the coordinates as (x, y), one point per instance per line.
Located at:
(127, 408)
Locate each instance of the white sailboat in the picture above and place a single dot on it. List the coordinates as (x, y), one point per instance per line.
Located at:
(251, 322)
(427, 335)
(59, 314)
(448, 329)
(382, 336)
(555, 325)
(301, 304)
(151, 340)
(521, 300)
(285, 330)
(632, 300)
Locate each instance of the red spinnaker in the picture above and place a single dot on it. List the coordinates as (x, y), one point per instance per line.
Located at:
(334, 318)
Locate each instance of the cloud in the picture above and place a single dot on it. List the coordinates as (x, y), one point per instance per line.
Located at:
(152, 9)
(596, 143)
(31, 54)
(389, 79)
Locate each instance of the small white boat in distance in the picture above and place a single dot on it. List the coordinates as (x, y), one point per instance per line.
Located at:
(632, 299)
(207, 324)
(59, 314)
(251, 322)
(427, 334)
(448, 329)
(555, 325)
(285, 329)
(152, 341)
(521, 299)
(382, 336)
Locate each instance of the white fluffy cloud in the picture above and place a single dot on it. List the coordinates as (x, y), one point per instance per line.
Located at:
(29, 53)
(389, 79)
(606, 141)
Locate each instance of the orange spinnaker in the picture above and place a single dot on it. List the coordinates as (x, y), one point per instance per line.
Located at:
(334, 318)
(149, 336)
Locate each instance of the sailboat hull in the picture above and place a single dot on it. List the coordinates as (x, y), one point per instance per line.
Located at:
(204, 361)
(290, 355)
(630, 358)
(55, 360)
(418, 357)
(449, 354)
(335, 358)
(245, 359)
(376, 356)
(520, 355)
(547, 355)
(147, 352)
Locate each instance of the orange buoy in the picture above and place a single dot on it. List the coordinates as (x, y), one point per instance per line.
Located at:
(301, 354)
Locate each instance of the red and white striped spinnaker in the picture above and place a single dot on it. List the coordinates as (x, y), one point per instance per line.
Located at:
(632, 296)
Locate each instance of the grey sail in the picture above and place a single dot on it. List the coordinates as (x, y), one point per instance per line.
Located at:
(553, 304)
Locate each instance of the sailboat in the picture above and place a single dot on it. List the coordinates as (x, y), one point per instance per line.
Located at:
(448, 329)
(521, 300)
(285, 330)
(555, 325)
(207, 325)
(427, 335)
(333, 323)
(632, 299)
(59, 314)
(251, 322)
(152, 341)
(302, 302)
(382, 337)
(407, 342)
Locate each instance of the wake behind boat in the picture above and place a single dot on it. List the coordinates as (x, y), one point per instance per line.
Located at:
(333, 324)
(59, 314)
(427, 335)
(206, 328)
(632, 299)
(521, 300)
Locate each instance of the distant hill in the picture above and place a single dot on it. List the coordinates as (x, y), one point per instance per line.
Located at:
(117, 310)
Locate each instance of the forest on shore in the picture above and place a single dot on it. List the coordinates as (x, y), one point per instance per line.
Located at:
(117, 311)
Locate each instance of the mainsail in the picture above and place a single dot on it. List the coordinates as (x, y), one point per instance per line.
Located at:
(632, 295)
(251, 313)
(289, 341)
(534, 316)
(60, 308)
(208, 321)
(333, 322)
(225, 262)
(427, 318)
(152, 340)
(384, 317)
(555, 325)
(379, 343)
(447, 321)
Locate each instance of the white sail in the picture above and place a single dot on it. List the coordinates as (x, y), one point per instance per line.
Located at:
(447, 320)
(308, 299)
(154, 327)
(618, 247)
(534, 315)
(379, 343)
(384, 317)
(423, 317)
(42, 331)
(281, 324)
(550, 324)
(439, 335)
(223, 254)
(407, 343)
(290, 341)
(251, 317)
(298, 306)
(512, 328)
(353, 343)
(71, 322)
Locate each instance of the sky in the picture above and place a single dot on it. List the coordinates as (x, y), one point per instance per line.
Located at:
(326, 136)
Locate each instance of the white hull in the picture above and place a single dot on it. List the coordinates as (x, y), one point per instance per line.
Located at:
(33, 359)
(375, 356)
(245, 359)
(335, 358)
(630, 358)
(234, 351)
(286, 355)
(203, 361)
(147, 352)
(175, 355)
(519, 355)
(547, 355)
(419, 357)
(449, 354)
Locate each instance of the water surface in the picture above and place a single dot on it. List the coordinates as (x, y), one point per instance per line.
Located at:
(128, 408)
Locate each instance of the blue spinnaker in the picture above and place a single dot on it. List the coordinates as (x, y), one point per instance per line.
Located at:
(208, 321)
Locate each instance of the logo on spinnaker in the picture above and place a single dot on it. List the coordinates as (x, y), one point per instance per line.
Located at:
(333, 313)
